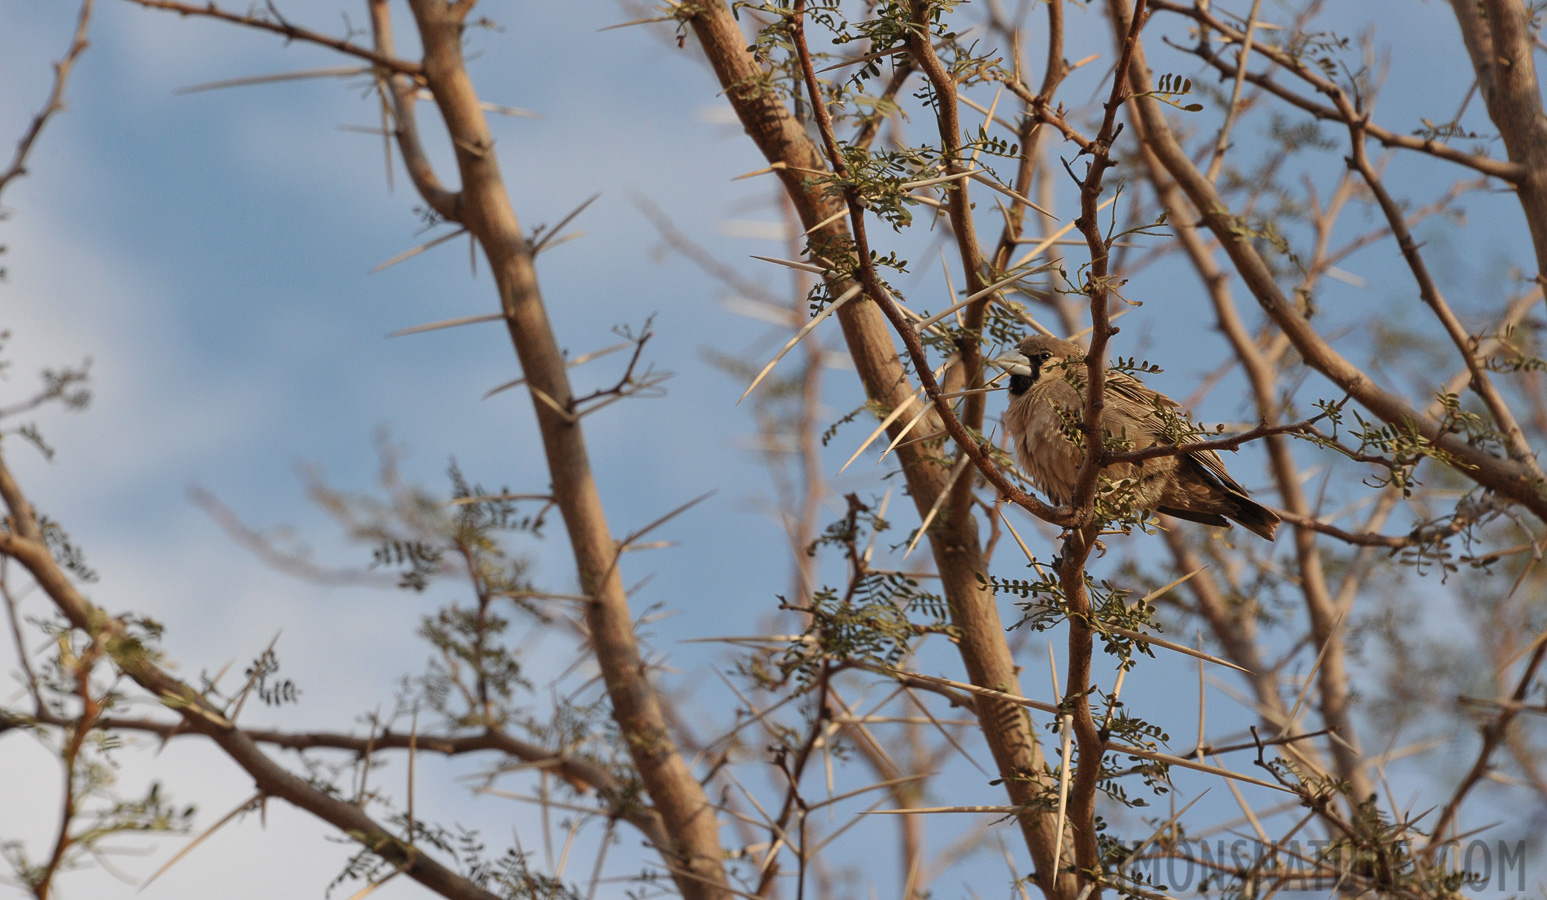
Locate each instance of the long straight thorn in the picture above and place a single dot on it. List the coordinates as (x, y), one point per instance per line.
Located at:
(800, 335)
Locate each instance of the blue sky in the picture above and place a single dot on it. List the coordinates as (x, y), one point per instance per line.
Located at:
(209, 252)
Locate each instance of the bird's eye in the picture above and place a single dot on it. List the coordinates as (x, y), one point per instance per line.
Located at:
(1044, 356)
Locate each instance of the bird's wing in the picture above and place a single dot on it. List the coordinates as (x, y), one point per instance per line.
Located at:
(1127, 390)
(1209, 463)
(1132, 389)
(1134, 408)
(1122, 387)
(1135, 404)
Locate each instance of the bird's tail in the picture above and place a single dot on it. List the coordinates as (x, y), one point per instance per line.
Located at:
(1212, 496)
(1255, 517)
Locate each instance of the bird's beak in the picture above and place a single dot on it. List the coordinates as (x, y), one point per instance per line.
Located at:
(1014, 363)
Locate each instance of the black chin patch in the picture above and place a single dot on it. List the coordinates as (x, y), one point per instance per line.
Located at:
(1020, 384)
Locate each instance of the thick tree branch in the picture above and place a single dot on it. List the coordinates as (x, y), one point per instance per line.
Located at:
(485, 210)
(1499, 38)
(954, 543)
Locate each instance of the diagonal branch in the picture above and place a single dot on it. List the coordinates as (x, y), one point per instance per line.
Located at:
(1497, 168)
(1515, 440)
(126, 650)
(1506, 477)
(483, 205)
(55, 101)
(280, 26)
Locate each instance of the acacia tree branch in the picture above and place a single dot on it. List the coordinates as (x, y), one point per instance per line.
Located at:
(55, 101)
(583, 775)
(1081, 810)
(482, 206)
(1159, 143)
(1233, 626)
(1080, 540)
(954, 542)
(794, 804)
(977, 451)
(1097, 285)
(1499, 39)
(398, 98)
(1039, 106)
(1234, 442)
(1057, 67)
(1363, 562)
(70, 754)
(1493, 733)
(1506, 477)
(1515, 440)
(485, 209)
(1077, 548)
(1497, 168)
(1037, 112)
(1233, 108)
(959, 211)
(1426, 534)
(1091, 741)
(290, 32)
(1524, 479)
(13, 618)
(128, 653)
(905, 792)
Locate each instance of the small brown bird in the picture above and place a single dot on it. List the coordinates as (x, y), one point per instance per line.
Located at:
(1192, 486)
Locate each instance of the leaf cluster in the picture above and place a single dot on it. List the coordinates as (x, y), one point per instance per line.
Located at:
(271, 690)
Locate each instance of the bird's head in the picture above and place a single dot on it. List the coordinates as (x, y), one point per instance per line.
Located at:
(1033, 357)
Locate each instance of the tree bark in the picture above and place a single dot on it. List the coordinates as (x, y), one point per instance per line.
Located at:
(483, 206)
(955, 542)
(1499, 41)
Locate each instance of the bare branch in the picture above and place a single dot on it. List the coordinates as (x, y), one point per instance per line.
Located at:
(1508, 171)
(55, 101)
(1519, 449)
(1493, 733)
(279, 26)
